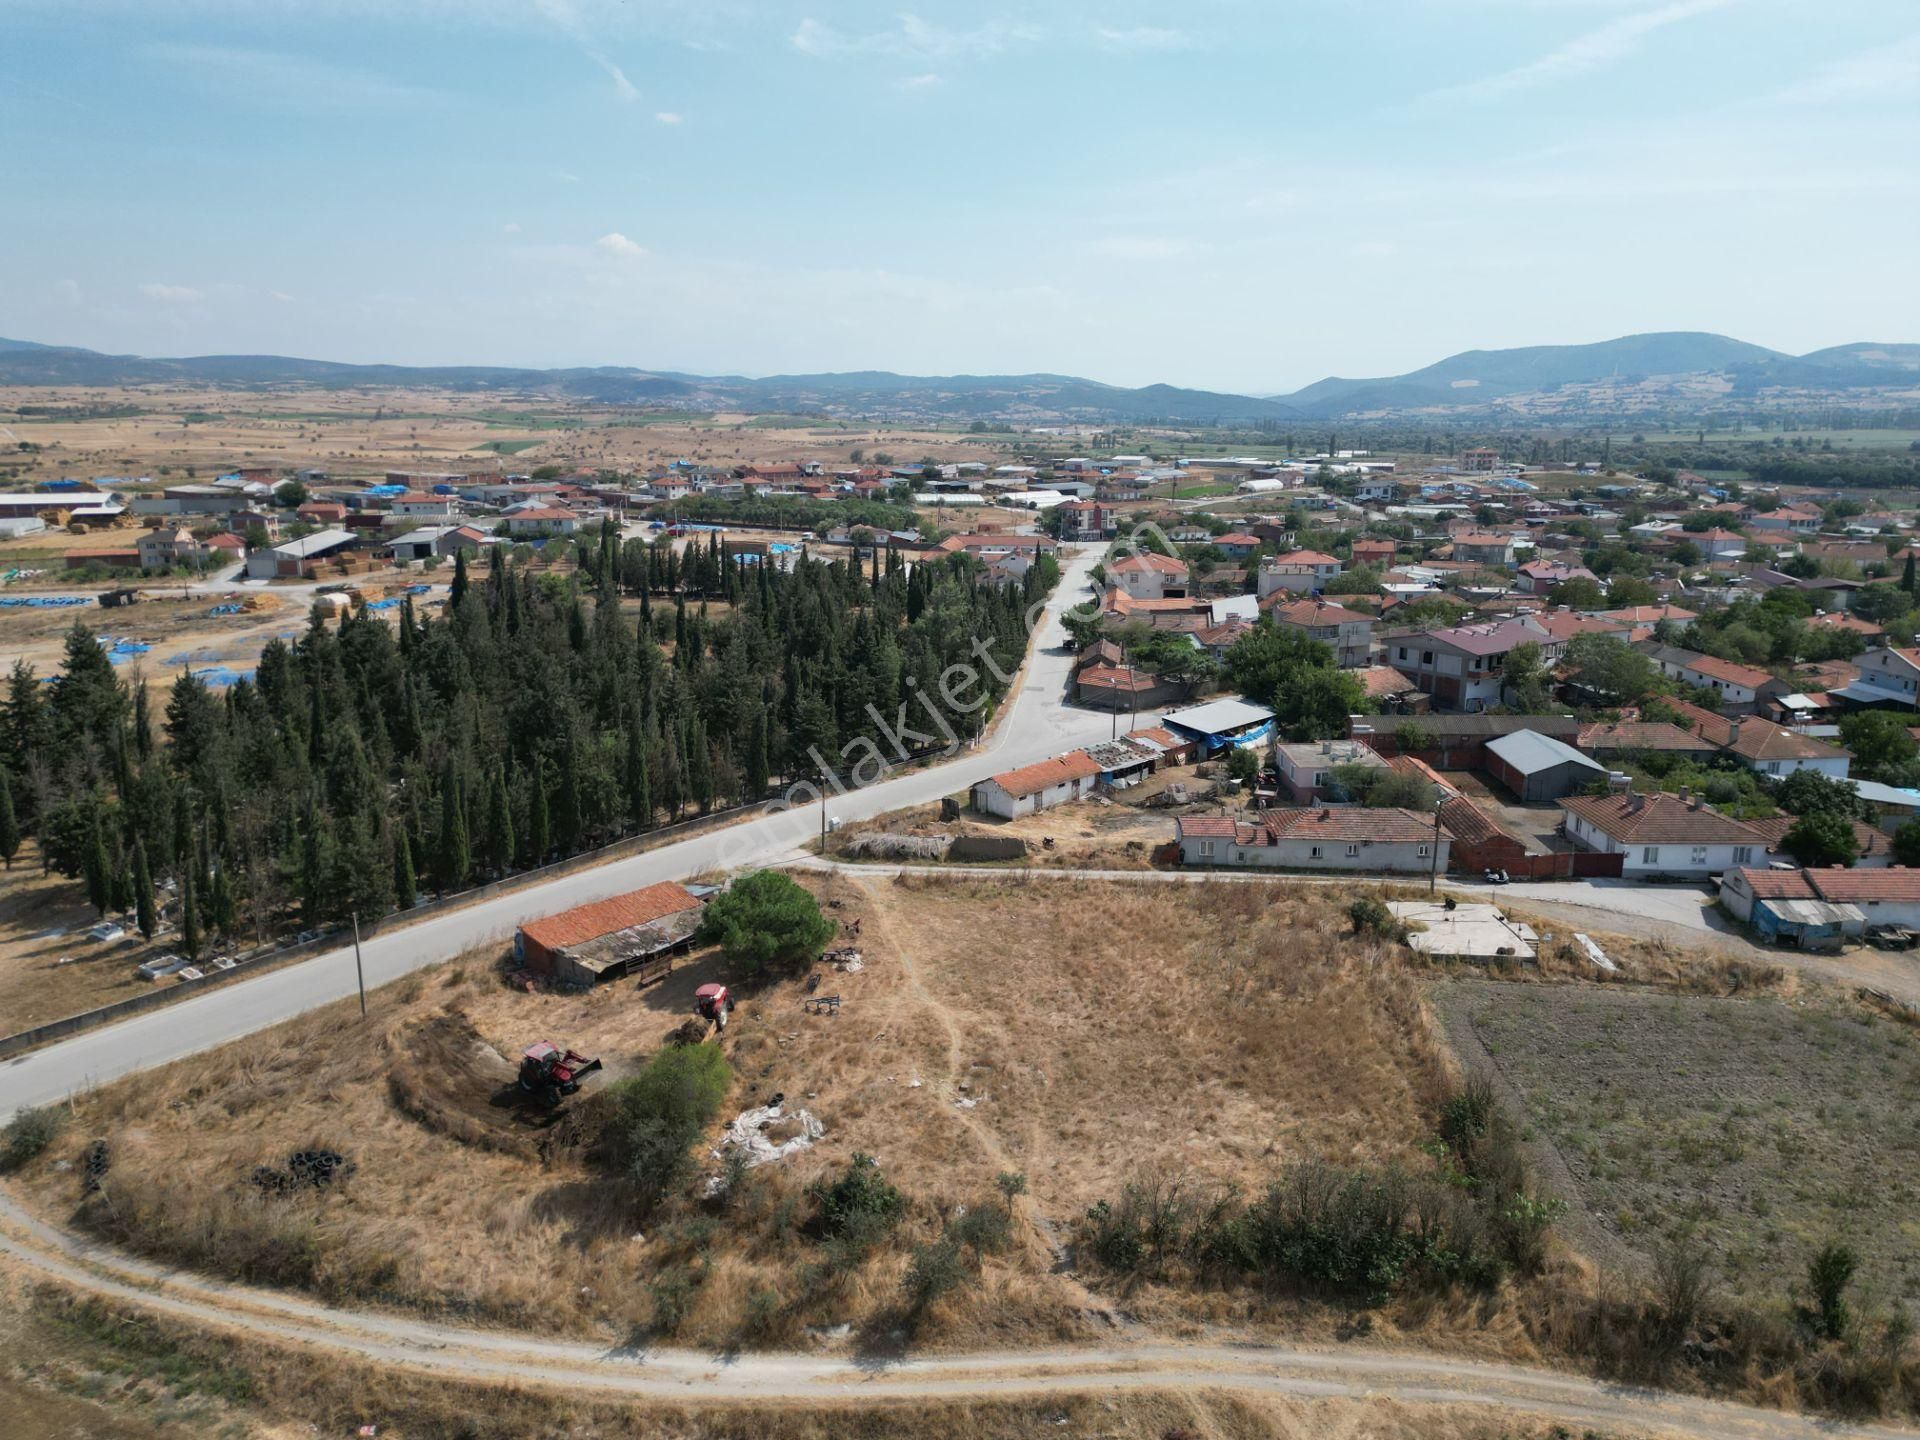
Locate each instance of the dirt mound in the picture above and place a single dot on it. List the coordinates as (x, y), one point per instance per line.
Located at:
(452, 1081)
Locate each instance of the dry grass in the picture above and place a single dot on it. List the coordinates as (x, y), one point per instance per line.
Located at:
(43, 921)
(1091, 1029)
(70, 1373)
(366, 432)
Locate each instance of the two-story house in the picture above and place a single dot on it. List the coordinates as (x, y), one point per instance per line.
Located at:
(1464, 667)
(1304, 570)
(1889, 680)
(1148, 576)
(1348, 633)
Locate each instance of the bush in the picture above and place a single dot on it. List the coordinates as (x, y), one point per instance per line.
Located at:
(28, 1134)
(764, 919)
(860, 1204)
(658, 1112)
(1372, 917)
(1829, 1273)
(935, 1269)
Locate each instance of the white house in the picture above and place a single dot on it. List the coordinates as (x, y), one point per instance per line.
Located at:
(1147, 576)
(1306, 570)
(542, 520)
(1888, 677)
(1348, 837)
(1041, 786)
(1775, 751)
(1662, 834)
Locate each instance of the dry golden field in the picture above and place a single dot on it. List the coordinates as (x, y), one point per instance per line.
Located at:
(366, 431)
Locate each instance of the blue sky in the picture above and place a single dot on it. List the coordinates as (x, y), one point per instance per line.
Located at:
(1219, 193)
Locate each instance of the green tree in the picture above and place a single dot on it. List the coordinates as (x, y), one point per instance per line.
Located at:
(1906, 845)
(405, 886)
(453, 862)
(98, 877)
(9, 823)
(765, 919)
(1879, 742)
(1268, 656)
(1317, 704)
(539, 826)
(1806, 792)
(457, 591)
(1525, 685)
(500, 850)
(1829, 1273)
(1611, 670)
(189, 915)
(1578, 593)
(1821, 839)
(145, 911)
(658, 1112)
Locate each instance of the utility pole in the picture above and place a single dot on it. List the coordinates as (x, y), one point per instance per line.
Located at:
(359, 971)
(1433, 875)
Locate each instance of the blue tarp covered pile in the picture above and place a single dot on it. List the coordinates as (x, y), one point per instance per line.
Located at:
(43, 602)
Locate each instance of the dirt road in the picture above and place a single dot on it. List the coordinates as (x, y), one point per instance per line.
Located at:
(684, 1377)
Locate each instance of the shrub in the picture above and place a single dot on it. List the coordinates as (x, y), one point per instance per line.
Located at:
(1372, 917)
(1829, 1273)
(860, 1203)
(935, 1269)
(28, 1134)
(658, 1112)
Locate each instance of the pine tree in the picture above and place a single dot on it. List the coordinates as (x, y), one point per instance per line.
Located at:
(405, 890)
(142, 723)
(9, 823)
(757, 763)
(189, 919)
(454, 860)
(1907, 582)
(639, 783)
(95, 868)
(499, 825)
(457, 591)
(146, 912)
(539, 824)
(568, 823)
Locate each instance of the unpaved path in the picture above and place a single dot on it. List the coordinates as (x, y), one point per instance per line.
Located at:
(683, 1377)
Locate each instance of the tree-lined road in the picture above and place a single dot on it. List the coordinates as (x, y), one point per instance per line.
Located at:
(1034, 725)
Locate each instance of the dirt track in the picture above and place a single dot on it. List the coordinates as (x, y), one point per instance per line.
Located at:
(684, 1377)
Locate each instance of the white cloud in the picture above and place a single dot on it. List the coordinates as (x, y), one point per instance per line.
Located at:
(1890, 73)
(615, 244)
(566, 177)
(512, 227)
(668, 117)
(1596, 49)
(915, 38)
(620, 81)
(917, 82)
(282, 296)
(172, 294)
(1143, 37)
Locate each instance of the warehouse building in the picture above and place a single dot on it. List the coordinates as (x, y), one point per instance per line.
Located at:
(637, 933)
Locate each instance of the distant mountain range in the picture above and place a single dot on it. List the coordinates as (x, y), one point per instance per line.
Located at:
(1667, 372)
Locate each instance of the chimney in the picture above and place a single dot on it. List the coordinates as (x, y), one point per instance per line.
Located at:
(1733, 732)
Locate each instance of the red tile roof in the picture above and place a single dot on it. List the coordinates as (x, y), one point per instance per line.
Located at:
(1302, 611)
(1764, 740)
(1343, 823)
(1777, 884)
(1112, 677)
(1471, 825)
(1302, 557)
(1714, 729)
(1145, 562)
(1382, 680)
(605, 917)
(1640, 735)
(1045, 774)
(1868, 841)
(543, 513)
(1857, 887)
(1660, 818)
(1728, 672)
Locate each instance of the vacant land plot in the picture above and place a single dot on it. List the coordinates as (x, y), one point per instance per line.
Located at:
(1077, 1033)
(1769, 1127)
(182, 433)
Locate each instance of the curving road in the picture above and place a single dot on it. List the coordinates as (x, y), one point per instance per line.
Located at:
(1033, 725)
(690, 1377)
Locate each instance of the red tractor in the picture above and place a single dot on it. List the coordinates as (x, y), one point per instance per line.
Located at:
(713, 1003)
(550, 1074)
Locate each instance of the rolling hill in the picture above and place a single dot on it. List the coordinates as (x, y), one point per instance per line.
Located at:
(1675, 369)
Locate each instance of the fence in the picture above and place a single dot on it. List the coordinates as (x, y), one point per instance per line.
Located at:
(285, 955)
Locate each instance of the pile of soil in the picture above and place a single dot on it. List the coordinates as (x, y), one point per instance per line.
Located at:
(456, 1084)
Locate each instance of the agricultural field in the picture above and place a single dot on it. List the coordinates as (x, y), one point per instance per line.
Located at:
(1255, 1034)
(183, 433)
(1765, 1126)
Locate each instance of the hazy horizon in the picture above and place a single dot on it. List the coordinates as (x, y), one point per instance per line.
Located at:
(1214, 197)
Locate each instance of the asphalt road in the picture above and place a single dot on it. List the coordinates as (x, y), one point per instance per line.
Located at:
(1036, 725)
(683, 1377)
